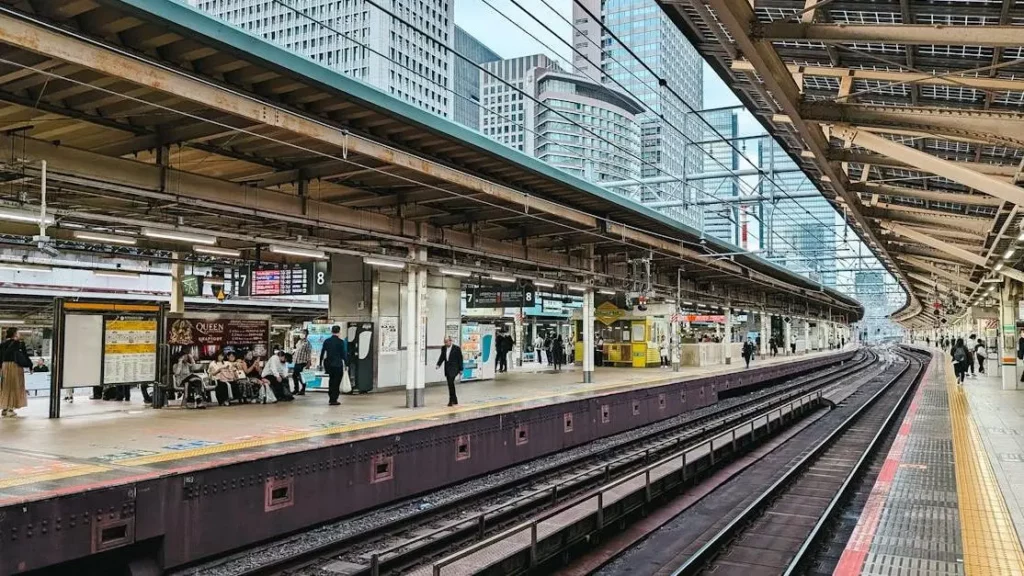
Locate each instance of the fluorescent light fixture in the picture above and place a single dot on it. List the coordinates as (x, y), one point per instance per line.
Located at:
(280, 325)
(17, 266)
(293, 251)
(991, 280)
(577, 288)
(687, 303)
(606, 292)
(115, 273)
(22, 216)
(384, 263)
(111, 238)
(1008, 254)
(669, 301)
(216, 251)
(540, 284)
(999, 266)
(177, 236)
(499, 278)
(450, 272)
(2, 322)
(1021, 237)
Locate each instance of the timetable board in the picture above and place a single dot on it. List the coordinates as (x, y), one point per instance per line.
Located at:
(129, 349)
(298, 280)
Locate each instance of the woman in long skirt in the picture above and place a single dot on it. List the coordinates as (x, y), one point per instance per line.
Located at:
(12, 375)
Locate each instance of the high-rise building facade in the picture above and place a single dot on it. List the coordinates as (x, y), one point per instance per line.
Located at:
(506, 114)
(800, 233)
(467, 77)
(666, 126)
(569, 121)
(362, 41)
(721, 214)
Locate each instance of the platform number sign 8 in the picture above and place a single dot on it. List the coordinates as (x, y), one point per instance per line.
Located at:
(321, 277)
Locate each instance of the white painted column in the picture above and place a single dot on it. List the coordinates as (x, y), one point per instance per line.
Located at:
(807, 336)
(177, 294)
(421, 330)
(787, 337)
(764, 333)
(673, 342)
(414, 355)
(727, 338)
(588, 336)
(1008, 337)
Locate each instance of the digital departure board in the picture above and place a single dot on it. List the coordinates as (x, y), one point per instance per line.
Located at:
(297, 280)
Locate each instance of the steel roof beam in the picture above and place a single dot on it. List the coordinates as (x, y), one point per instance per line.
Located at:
(996, 187)
(907, 34)
(932, 242)
(933, 269)
(981, 83)
(997, 127)
(853, 156)
(929, 195)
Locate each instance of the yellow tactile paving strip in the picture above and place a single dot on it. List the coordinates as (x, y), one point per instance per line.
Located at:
(990, 542)
(433, 415)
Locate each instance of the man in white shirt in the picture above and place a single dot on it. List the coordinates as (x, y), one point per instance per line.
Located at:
(972, 344)
(276, 372)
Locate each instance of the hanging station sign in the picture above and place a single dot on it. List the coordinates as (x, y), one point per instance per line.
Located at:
(510, 297)
(303, 279)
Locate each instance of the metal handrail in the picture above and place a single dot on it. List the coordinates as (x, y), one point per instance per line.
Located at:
(600, 491)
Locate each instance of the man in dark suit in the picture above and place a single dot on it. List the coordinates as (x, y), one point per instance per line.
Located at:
(451, 358)
(332, 357)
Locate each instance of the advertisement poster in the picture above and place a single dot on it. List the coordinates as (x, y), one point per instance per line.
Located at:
(129, 349)
(318, 334)
(204, 337)
(388, 335)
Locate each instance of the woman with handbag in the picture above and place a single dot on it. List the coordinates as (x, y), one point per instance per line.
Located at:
(14, 361)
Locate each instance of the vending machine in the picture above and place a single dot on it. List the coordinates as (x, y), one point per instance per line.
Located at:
(477, 351)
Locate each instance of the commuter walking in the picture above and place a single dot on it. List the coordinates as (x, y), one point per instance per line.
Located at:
(972, 344)
(981, 355)
(549, 348)
(451, 359)
(748, 351)
(502, 348)
(14, 361)
(333, 356)
(301, 356)
(960, 360)
(599, 352)
(558, 351)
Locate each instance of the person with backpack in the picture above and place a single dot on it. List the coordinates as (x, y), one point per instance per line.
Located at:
(960, 359)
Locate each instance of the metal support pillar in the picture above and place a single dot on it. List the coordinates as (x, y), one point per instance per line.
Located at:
(177, 294)
(787, 337)
(727, 338)
(414, 354)
(764, 333)
(1008, 342)
(421, 330)
(588, 336)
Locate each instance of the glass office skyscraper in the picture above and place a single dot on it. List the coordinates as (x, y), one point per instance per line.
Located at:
(721, 220)
(800, 233)
(666, 126)
(467, 77)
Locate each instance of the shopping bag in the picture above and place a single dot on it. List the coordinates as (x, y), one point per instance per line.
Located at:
(346, 384)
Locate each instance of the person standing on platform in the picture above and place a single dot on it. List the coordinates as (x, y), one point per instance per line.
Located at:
(981, 355)
(451, 359)
(599, 352)
(276, 372)
(14, 361)
(333, 356)
(538, 349)
(748, 351)
(301, 356)
(501, 353)
(510, 345)
(549, 348)
(663, 350)
(558, 351)
(972, 345)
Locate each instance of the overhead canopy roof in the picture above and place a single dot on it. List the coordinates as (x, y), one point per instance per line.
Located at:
(165, 116)
(908, 113)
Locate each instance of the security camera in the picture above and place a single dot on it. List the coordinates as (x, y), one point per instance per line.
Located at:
(49, 250)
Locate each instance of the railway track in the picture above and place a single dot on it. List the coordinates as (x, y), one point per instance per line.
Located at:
(398, 545)
(777, 532)
(549, 540)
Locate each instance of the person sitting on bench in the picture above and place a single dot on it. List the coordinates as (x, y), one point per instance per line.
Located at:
(276, 373)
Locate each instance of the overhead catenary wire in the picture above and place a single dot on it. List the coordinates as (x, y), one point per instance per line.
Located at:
(351, 162)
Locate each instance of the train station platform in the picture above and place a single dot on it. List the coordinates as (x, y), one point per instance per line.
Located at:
(948, 498)
(96, 442)
(177, 474)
